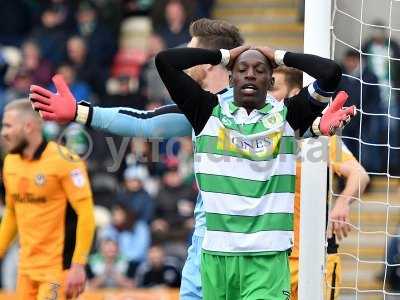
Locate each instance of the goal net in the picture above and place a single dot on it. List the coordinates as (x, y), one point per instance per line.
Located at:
(365, 39)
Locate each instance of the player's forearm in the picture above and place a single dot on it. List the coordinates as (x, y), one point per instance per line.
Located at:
(185, 58)
(8, 230)
(185, 91)
(303, 111)
(327, 72)
(85, 230)
(356, 182)
(196, 103)
(164, 122)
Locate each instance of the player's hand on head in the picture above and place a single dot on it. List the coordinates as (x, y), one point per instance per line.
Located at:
(76, 281)
(336, 116)
(340, 218)
(234, 54)
(269, 53)
(60, 106)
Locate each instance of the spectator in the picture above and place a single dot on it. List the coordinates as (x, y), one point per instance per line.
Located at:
(10, 63)
(380, 46)
(174, 204)
(85, 67)
(369, 103)
(131, 234)
(204, 8)
(150, 83)
(65, 10)
(40, 69)
(50, 35)
(123, 91)
(393, 270)
(176, 30)
(146, 153)
(159, 270)
(19, 87)
(136, 7)
(185, 158)
(108, 268)
(135, 196)
(15, 22)
(80, 89)
(101, 44)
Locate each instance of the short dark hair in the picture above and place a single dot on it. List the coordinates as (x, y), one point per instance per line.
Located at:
(216, 34)
(293, 77)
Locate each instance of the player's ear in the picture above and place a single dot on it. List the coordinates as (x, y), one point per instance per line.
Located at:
(28, 126)
(294, 92)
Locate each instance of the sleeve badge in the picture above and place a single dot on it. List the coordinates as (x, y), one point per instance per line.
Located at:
(77, 178)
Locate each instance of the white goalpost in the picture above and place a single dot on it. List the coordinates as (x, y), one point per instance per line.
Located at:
(331, 28)
(313, 188)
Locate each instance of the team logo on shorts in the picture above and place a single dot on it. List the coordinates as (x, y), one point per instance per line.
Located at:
(54, 291)
(287, 294)
(40, 180)
(77, 178)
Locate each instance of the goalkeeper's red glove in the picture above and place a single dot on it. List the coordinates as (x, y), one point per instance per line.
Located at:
(335, 117)
(60, 106)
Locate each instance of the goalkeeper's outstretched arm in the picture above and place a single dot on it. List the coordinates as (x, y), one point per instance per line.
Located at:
(164, 122)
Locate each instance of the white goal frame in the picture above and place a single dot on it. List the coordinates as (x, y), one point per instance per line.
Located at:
(317, 40)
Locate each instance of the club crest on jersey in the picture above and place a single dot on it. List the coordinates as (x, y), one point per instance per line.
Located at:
(77, 178)
(40, 180)
(226, 121)
(272, 120)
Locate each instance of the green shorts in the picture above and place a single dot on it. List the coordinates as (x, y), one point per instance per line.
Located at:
(259, 277)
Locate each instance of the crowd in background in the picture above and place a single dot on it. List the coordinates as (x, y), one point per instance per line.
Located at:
(144, 210)
(372, 81)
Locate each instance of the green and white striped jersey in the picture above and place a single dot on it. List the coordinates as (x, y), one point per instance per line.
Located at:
(245, 168)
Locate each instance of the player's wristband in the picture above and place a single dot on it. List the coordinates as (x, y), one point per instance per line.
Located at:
(225, 57)
(278, 56)
(315, 127)
(83, 113)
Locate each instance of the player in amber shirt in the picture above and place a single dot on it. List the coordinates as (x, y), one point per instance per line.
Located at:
(288, 82)
(49, 204)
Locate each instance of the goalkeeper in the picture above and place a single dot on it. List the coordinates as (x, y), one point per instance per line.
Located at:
(126, 121)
